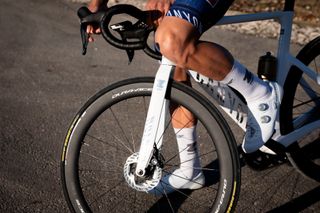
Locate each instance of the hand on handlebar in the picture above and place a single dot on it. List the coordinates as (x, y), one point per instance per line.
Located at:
(92, 28)
(158, 5)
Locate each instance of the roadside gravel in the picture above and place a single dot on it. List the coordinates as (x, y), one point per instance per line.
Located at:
(266, 29)
(270, 29)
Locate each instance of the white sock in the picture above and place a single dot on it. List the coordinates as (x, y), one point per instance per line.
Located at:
(245, 82)
(188, 152)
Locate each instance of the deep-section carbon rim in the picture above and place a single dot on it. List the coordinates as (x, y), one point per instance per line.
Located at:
(108, 130)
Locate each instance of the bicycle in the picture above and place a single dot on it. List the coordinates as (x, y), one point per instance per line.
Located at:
(121, 141)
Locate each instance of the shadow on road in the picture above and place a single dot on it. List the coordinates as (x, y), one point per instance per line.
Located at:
(174, 201)
(300, 203)
(259, 161)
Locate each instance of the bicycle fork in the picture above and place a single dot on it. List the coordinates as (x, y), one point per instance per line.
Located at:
(155, 121)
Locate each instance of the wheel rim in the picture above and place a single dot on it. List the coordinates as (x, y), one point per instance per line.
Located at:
(106, 177)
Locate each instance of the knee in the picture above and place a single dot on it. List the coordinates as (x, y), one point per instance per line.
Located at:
(174, 46)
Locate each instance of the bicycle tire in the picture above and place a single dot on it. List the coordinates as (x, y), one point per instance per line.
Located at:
(88, 187)
(301, 98)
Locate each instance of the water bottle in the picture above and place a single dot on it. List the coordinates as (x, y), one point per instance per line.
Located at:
(267, 67)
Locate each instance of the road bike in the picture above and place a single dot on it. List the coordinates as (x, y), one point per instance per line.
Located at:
(121, 142)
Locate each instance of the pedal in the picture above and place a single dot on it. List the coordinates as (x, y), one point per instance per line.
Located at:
(275, 147)
(272, 155)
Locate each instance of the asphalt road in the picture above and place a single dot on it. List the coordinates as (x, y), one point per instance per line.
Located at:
(44, 80)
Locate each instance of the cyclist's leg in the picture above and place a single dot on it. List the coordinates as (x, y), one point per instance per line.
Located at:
(178, 39)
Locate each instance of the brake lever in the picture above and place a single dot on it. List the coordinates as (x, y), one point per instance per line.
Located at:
(87, 17)
(82, 13)
(84, 38)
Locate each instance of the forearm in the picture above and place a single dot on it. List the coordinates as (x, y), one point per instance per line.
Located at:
(94, 5)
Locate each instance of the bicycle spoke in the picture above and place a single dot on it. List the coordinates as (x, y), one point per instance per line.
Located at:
(181, 177)
(119, 203)
(168, 200)
(108, 144)
(200, 156)
(303, 103)
(167, 126)
(105, 193)
(122, 130)
(175, 155)
(94, 157)
(104, 162)
(128, 121)
(180, 192)
(164, 131)
(97, 171)
(307, 88)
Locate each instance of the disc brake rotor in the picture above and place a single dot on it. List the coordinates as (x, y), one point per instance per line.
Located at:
(144, 184)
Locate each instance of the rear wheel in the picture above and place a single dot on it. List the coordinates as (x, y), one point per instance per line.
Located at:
(301, 106)
(106, 134)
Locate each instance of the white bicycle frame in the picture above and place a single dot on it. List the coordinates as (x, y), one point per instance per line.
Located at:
(225, 97)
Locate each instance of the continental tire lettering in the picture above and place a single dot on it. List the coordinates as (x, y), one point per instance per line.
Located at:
(66, 141)
(125, 92)
(79, 205)
(232, 196)
(225, 183)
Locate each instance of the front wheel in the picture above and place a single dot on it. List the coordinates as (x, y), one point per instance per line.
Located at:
(301, 106)
(106, 134)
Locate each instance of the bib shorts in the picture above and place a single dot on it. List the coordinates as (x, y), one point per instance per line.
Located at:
(202, 14)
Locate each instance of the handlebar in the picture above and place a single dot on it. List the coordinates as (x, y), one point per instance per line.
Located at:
(133, 36)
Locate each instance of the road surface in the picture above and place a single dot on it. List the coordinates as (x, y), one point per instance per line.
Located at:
(44, 80)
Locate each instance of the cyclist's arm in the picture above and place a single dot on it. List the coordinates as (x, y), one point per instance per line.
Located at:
(95, 5)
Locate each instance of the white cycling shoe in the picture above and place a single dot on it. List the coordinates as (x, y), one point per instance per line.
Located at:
(177, 181)
(261, 120)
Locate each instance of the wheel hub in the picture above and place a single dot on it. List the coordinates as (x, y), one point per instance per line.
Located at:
(144, 184)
